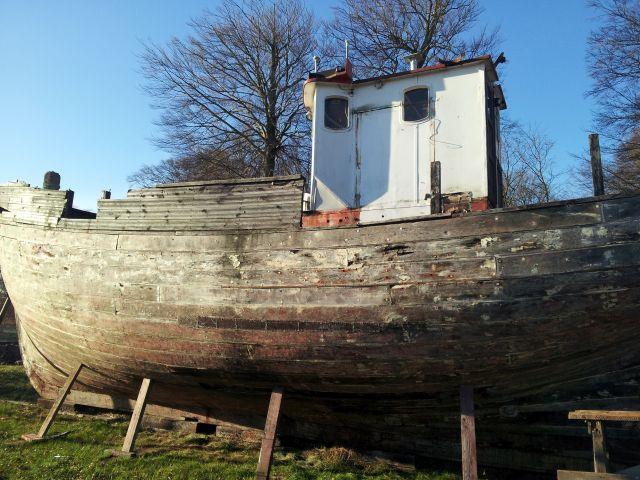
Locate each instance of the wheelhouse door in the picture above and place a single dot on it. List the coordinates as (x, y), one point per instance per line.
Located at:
(392, 157)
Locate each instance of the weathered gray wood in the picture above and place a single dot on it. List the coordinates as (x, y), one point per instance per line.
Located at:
(55, 408)
(600, 454)
(128, 446)
(468, 434)
(270, 431)
(596, 164)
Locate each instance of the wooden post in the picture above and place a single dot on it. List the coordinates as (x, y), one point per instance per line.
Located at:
(436, 188)
(128, 447)
(596, 164)
(468, 434)
(600, 458)
(53, 412)
(269, 438)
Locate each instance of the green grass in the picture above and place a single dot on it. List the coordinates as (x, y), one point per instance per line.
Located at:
(163, 455)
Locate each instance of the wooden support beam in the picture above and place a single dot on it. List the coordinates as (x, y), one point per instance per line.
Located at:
(270, 429)
(596, 164)
(608, 415)
(128, 447)
(468, 434)
(55, 408)
(600, 456)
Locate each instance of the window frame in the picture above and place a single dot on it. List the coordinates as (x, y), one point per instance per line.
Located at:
(427, 117)
(324, 113)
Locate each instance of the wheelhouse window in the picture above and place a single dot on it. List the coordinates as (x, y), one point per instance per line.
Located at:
(336, 113)
(415, 105)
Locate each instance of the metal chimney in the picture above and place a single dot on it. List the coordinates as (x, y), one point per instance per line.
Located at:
(413, 60)
(316, 63)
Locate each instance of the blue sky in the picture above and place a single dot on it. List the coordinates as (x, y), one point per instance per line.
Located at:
(71, 97)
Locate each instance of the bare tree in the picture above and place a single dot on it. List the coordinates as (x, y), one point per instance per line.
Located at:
(614, 66)
(382, 32)
(621, 169)
(623, 174)
(233, 86)
(204, 165)
(529, 174)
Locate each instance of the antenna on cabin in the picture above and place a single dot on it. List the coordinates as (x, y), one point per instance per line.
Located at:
(346, 49)
(316, 63)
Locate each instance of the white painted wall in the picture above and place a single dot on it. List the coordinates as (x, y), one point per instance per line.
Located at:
(394, 175)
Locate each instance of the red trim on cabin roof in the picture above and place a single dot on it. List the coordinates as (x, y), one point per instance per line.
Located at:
(428, 68)
(343, 77)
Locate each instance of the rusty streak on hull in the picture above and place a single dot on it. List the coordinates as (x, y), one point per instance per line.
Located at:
(370, 329)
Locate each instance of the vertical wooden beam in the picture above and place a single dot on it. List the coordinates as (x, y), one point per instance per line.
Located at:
(596, 164)
(468, 434)
(136, 419)
(600, 456)
(55, 408)
(436, 188)
(270, 429)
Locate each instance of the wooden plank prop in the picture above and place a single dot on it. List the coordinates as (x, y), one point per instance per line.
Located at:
(600, 457)
(128, 448)
(270, 429)
(64, 391)
(605, 415)
(468, 434)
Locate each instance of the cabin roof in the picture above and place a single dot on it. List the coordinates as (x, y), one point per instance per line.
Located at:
(344, 74)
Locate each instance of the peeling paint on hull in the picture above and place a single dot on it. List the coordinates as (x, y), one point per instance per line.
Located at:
(369, 329)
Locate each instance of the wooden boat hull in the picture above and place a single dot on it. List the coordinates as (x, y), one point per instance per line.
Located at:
(371, 329)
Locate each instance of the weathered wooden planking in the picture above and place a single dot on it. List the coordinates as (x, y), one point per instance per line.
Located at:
(355, 315)
(19, 203)
(257, 204)
(598, 258)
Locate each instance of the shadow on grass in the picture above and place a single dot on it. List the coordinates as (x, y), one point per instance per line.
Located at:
(81, 453)
(14, 384)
